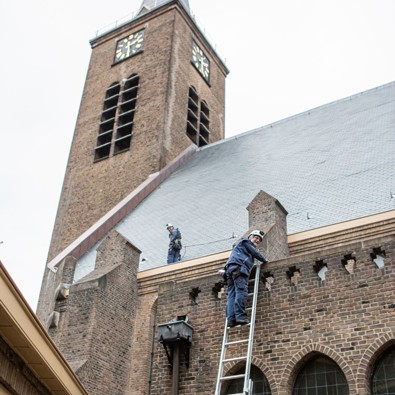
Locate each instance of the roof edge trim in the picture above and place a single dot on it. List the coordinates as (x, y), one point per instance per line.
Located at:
(41, 354)
(341, 226)
(193, 263)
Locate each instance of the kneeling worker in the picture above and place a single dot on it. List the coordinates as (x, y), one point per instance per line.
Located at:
(237, 270)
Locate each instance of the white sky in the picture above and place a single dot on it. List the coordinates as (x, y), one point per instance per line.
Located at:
(284, 56)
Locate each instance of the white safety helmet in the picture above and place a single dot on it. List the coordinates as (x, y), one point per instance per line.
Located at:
(258, 233)
(169, 226)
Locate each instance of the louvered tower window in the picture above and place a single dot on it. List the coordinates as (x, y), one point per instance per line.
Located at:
(120, 105)
(107, 121)
(198, 119)
(127, 108)
(204, 124)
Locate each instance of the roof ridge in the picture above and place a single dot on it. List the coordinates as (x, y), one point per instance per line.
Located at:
(271, 124)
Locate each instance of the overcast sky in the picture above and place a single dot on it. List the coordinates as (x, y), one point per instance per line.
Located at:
(284, 56)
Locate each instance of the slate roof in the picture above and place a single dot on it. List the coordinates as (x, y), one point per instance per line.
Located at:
(330, 164)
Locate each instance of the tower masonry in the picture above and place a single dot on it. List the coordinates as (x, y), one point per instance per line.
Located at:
(154, 86)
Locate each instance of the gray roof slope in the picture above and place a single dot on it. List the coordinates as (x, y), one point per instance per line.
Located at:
(327, 165)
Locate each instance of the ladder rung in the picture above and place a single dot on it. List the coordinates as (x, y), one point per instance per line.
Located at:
(230, 327)
(236, 376)
(249, 341)
(234, 359)
(236, 342)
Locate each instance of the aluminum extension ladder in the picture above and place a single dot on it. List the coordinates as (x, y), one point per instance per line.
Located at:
(247, 356)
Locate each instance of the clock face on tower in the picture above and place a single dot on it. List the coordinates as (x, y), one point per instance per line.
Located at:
(200, 61)
(129, 46)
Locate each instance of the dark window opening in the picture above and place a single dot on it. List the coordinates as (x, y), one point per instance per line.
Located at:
(107, 120)
(383, 377)
(198, 119)
(321, 376)
(118, 114)
(260, 387)
(204, 124)
(123, 136)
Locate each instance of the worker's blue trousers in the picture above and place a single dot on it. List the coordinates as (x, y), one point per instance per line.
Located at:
(236, 295)
(173, 256)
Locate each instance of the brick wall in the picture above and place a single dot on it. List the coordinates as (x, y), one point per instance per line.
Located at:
(51, 285)
(95, 328)
(206, 316)
(108, 324)
(166, 73)
(348, 317)
(143, 340)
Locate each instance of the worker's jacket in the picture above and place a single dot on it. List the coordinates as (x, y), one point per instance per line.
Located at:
(243, 255)
(175, 240)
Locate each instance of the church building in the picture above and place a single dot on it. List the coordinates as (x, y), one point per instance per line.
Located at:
(149, 148)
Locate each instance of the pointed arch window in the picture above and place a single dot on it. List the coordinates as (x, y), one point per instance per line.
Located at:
(383, 377)
(116, 122)
(127, 108)
(198, 119)
(260, 387)
(107, 121)
(323, 376)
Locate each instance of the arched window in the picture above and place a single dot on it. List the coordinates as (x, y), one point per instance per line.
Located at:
(127, 108)
(107, 120)
(204, 125)
(261, 385)
(321, 376)
(119, 103)
(383, 377)
(198, 119)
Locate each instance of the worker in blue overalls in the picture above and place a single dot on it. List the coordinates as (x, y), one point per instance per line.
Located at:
(173, 254)
(237, 271)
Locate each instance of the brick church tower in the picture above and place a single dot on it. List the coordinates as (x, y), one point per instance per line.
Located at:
(154, 91)
(154, 86)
